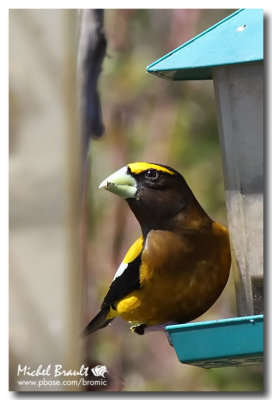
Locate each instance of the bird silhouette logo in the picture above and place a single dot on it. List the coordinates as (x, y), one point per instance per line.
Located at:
(100, 370)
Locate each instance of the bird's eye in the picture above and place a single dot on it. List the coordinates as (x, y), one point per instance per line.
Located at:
(152, 174)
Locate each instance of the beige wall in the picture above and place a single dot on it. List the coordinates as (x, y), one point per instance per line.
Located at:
(44, 262)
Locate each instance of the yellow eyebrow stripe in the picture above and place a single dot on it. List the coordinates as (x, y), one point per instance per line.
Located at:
(138, 167)
(134, 250)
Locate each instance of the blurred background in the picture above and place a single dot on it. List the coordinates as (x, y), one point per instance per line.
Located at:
(52, 293)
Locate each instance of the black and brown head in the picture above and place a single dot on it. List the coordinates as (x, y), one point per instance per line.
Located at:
(158, 195)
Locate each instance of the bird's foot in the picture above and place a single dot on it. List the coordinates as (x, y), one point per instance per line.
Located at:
(138, 328)
(141, 329)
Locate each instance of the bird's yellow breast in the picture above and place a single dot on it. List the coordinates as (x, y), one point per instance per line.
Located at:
(180, 276)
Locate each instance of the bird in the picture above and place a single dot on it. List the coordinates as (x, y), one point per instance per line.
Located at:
(178, 267)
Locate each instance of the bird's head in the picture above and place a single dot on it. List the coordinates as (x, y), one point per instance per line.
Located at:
(158, 195)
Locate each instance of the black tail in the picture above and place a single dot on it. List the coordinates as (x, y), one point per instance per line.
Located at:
(99, 321)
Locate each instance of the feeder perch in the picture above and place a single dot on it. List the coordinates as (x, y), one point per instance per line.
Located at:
(231, 54)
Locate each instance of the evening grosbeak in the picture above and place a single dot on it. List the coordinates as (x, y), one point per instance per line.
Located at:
(179, 265)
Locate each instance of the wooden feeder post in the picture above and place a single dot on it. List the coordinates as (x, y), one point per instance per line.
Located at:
(231, 53)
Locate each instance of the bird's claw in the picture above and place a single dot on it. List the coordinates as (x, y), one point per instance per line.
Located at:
(138, 328)
(141, 329)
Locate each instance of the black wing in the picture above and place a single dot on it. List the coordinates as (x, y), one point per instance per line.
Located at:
(124, 284)
(121, 286)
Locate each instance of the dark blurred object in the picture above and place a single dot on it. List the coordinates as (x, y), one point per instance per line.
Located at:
(91, 51)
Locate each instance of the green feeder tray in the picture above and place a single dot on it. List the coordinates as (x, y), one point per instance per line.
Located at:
(223, 343)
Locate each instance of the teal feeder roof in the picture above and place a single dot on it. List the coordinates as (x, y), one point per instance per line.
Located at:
(236, 39)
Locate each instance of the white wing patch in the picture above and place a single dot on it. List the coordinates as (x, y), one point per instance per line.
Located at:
(120, 270)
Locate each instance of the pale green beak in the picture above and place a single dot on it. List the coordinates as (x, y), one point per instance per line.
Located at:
(120, 183)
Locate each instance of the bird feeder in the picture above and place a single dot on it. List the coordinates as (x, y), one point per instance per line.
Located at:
(231, 54)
